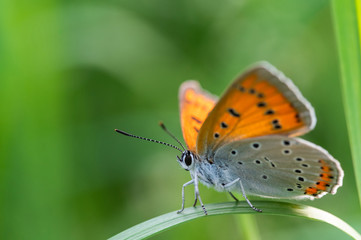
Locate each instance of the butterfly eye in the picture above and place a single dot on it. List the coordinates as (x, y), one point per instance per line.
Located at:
(188, 159)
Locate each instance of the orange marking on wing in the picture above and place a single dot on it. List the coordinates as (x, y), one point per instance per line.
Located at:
(251, 127)
(311, 191)
(249, 82)
(325, 167)
(195, 105)
(189, 95)
(266, 89)
(326, 177)
(321, 185)
(325, 181)
(250, 107)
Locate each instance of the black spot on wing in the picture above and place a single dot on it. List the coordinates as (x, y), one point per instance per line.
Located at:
(255, 145)
(261, 104)
(196, 119)
(233, 112)
(287, 151)
(224, 125)
(269, 112)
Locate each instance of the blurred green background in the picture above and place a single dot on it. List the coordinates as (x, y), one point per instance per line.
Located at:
(72, 71)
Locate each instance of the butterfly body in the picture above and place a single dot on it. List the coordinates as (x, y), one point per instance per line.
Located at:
(215, 174)
(245, 141)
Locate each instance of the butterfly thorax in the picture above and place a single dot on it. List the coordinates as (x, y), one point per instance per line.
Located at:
(212, 174)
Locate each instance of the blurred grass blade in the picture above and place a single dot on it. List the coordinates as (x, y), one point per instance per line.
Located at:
(246, 224)
(346, 13)
(163, 222)
(248, 227)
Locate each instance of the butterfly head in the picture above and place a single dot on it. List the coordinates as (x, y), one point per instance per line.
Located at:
(187, 160)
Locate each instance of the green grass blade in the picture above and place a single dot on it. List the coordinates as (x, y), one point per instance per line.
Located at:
(168, 220)
(347, 30)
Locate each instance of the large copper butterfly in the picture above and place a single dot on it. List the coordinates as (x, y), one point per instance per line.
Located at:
(246, 141)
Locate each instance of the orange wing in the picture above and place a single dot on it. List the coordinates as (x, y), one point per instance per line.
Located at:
(195, 104)
(260, 102)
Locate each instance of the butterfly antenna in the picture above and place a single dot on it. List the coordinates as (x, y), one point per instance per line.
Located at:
(147, 139)
(170, 134)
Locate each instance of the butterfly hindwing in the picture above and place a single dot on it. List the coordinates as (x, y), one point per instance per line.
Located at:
(260, 102)
(281, 167)
(195, 104)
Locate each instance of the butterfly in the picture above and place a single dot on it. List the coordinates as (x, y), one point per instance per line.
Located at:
(246, 141)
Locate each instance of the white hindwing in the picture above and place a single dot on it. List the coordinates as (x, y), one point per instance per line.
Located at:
(279, 167)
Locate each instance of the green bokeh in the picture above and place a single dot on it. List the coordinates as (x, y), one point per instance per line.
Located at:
(72, 71)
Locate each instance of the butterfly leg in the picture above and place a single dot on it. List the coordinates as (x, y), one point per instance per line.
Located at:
(243, 193)
(196, 190)
(234, 197)
(195, 199)
(183, 199)
(245, 197)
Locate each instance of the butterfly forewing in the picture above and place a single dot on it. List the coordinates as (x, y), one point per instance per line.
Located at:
(195, 104)
(281, 167)
(260, 102)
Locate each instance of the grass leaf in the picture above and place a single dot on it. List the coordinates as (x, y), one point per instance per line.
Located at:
(346, 13)
(168, 220)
